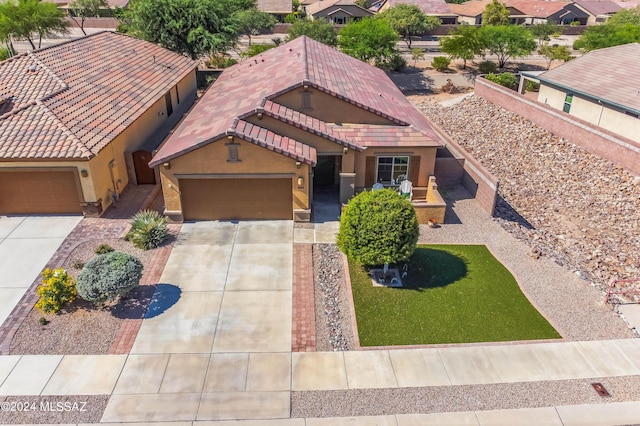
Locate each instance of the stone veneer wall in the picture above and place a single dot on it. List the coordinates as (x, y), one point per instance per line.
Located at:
(605, 144)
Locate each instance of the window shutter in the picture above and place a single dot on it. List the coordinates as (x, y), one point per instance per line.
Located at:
(414, 169)
(370, 172)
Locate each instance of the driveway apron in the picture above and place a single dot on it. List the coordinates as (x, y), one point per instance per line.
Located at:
(219, 324)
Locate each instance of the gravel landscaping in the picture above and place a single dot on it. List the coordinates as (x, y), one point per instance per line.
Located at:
(81, 328)
(578, 209)
(440, 399)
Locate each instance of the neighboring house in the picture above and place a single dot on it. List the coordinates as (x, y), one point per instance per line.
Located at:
(278, 8)
(596, 88)
(79, 120)
(542, 11)
(274, 129)
(338, 12)
(598, 10)
(437, 8)
(470, 12)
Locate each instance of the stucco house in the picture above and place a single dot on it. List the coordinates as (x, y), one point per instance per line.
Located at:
(276, 128)
(278, 8)
(470, 12)
(543, 11)
(78, 121)
(596, 88)
(598, 11)
(338, 12)
(437, 8)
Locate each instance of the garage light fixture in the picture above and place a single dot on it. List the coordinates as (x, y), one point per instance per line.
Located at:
(167, 165)
(300, 181)
(298, 164)
(84, 173)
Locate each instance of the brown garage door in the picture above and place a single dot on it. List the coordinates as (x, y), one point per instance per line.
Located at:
(213, 199)
(24, 192)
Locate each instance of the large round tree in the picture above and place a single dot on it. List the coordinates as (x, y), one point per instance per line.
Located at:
(378, 227)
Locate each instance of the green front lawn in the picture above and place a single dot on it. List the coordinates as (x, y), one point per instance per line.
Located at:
(453, 294)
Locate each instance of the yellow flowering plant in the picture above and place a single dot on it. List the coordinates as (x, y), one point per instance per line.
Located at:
(57, 289)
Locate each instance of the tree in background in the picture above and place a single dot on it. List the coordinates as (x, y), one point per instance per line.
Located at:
(252, 22)
(85, 8)
(370, 40)
(554, 53)
(27, 18)
(626, 16)
(408, 21)
(318, 29)
(601, 36)
(508, 41)
(464, 42)
(543, 32)
(496, 13)
(191, 27)
(417, 54)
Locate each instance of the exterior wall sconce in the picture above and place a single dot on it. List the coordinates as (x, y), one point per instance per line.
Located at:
(300, 181)
(345, 150)
(230, 138)
(259, 116)
(167, 165)
(84, 173)
(305, 86)
(298, 164)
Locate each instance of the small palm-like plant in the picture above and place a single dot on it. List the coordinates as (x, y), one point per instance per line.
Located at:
(148, 229)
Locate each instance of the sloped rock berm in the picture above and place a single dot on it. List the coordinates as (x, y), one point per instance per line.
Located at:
(579, 209)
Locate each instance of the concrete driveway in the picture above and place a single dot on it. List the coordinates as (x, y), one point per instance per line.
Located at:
(26, 245)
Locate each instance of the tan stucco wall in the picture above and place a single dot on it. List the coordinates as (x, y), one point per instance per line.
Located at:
(592, 112)
(98, 183)
(211, 159)
(427, 162)
(328, 108)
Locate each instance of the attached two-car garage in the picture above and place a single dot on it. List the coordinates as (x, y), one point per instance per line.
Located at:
(237, 198)
(40, 192)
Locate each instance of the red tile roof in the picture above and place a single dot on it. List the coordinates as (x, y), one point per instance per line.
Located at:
(307, 123)
(244, 88)
(604, 74)
(430, 7)
(369, 135)
(274, 142)
(72, 99)
(537, 8)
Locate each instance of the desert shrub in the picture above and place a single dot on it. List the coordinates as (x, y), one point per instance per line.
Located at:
(148, 229)
(57, 289)
(505, 79)
(378, 227)
(532, 86)
(394, 63)
(103, 249)
(109, 276)
(4, 54)
(486, 67)
(441, 63)
(220, 61)
(256, 49)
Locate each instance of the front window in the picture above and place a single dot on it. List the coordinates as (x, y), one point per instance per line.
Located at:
(392, 170)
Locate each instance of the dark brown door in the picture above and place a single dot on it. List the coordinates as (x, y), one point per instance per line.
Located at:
(52, 192)
(227, 199)
(144, 174)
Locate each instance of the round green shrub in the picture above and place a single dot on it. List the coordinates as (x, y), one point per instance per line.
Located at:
(505, 79)
(148, 229)
(109, 276)
(486, 67)
(441, 63)
(378, 227)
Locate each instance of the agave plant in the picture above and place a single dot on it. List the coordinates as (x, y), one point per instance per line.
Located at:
(148, 229)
